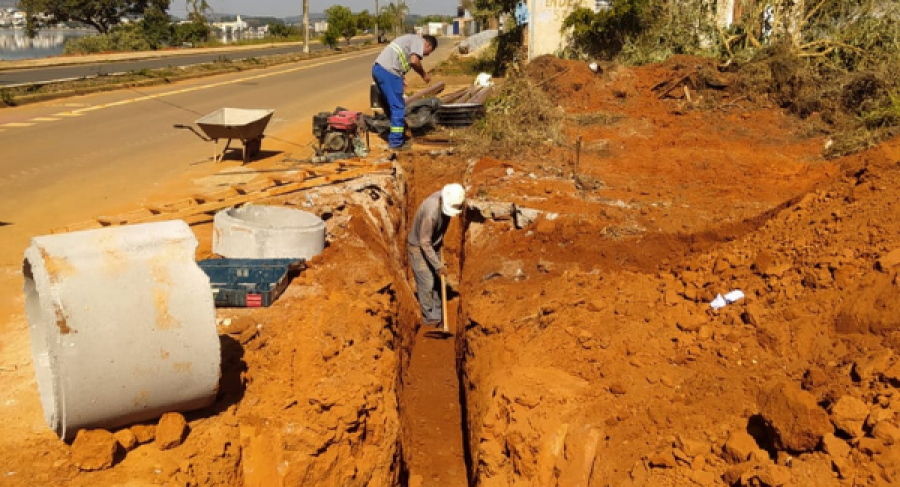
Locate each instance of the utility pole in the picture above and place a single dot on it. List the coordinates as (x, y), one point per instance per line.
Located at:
(376, 22)
(306, 26)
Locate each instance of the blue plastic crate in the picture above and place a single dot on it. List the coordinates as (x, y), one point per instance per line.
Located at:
(247, 283)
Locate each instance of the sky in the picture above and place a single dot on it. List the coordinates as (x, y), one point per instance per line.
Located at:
(287, 8)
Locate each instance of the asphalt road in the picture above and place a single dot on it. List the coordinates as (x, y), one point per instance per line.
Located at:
(74, 159)
(64, 68)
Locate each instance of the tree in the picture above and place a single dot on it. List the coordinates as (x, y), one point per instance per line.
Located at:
(156, 27)
(384, 21)
(364, 20)
(427, 19)
(397, 13)
(99, 14)
(331, 37)
(489, 8)
(341, 21)
(280, 29)
(197, 30)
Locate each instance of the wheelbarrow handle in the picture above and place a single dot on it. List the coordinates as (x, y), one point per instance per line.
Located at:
(192, 129)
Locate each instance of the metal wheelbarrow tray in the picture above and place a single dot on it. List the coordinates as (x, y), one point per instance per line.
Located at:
(244, 124)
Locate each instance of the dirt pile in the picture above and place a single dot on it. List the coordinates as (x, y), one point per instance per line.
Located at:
(592, 351)
(310, 385)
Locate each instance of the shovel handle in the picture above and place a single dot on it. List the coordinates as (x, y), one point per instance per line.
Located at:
(444, 303)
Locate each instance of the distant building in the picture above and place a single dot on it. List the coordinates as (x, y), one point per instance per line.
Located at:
(320, 26)
(236, 26)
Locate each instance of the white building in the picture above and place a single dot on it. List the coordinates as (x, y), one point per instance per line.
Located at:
(236, 26)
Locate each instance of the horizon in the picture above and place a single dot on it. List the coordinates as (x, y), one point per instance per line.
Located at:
(283, 9)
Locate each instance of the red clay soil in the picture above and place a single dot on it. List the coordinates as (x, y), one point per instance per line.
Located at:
(592, 354)
(588, 350)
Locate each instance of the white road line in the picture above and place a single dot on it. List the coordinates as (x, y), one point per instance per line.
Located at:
(81, 111)
(216, 85)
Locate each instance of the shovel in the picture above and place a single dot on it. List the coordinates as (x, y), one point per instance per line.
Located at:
(444, 332)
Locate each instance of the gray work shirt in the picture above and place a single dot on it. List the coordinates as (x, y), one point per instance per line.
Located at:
(429, 226)
(390, 58)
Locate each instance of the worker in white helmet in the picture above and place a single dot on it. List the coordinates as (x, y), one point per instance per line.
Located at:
(424, 246)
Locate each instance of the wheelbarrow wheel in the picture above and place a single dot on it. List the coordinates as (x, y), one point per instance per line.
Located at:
(251, 149)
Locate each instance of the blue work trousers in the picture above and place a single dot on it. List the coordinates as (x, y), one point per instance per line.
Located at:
(427, 284)
(391, 87)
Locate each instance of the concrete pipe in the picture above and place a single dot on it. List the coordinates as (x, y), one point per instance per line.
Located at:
(122, 325)
(267, 232)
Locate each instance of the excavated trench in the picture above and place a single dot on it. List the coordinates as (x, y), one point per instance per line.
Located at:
(432, 405)
(585, 349)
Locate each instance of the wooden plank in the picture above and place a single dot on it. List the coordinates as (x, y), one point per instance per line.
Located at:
(276, 191)
(284, 179)
(199, 208)
(111, 220)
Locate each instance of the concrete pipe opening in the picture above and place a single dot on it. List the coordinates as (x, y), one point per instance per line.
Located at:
(267, 232)
(122, 325)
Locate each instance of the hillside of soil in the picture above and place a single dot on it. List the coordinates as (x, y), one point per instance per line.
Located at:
(587, 349)
(592, 355)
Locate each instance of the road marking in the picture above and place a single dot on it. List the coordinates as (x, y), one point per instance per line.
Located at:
(215, 85)
(90, 108)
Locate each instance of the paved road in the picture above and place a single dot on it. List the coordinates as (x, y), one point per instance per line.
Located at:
(74, 159)
(51, 69)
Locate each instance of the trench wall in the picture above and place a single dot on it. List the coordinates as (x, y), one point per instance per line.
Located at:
(320, 405)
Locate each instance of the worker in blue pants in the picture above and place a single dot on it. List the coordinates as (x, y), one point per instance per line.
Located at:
(404, 53)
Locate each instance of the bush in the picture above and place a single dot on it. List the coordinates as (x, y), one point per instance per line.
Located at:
(603, 34)
(519, 118)
(192, 33)
(331, 37)
(282, 30)
(128, 37)
(89, 45)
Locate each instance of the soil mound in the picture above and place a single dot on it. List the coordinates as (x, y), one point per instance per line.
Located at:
(569, 83)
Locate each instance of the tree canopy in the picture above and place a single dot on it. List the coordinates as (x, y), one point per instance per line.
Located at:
(341, 22)
(396, 12)
(99, 14)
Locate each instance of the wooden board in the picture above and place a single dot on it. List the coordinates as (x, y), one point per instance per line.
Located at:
(200, 208)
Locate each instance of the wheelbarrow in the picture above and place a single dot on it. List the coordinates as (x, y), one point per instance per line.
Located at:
(246, 125)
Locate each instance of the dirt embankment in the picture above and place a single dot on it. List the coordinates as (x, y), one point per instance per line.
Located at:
(588, 351)
(592, 355)
(310, 386)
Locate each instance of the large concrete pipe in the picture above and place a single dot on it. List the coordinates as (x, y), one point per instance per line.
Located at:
(267, 232)
(122, 325)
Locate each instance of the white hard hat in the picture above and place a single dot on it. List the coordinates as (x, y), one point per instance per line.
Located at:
(452, 197)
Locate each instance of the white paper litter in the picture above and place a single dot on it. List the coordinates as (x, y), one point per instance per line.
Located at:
(722, 301)
(734, 296)
(719, 302)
